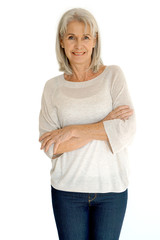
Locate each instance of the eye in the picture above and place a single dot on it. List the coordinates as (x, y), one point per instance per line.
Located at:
(70, 37)
(86, 37)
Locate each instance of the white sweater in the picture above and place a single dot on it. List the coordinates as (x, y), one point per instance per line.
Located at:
(95, 167)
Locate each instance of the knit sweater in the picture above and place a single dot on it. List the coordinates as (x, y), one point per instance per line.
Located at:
(99, 166)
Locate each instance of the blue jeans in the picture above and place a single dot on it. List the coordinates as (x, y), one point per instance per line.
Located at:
(88, 216)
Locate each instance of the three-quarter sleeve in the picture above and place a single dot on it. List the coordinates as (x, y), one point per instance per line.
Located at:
(120, 132)
(48, 120)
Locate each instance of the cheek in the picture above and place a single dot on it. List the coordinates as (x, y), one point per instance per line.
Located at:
(67, 45)
(67, 49)
(90, 46)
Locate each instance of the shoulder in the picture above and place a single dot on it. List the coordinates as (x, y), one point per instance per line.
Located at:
(53, 83)
(115, 69)
(116, 77)
(116, 72)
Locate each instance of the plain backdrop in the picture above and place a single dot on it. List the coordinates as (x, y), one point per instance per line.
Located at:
(130, 38)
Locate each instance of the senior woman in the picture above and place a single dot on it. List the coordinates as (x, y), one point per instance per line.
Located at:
(86, 123)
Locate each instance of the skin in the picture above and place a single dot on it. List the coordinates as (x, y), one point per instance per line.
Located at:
(76, 40)
(72, 137)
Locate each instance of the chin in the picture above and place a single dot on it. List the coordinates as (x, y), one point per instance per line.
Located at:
(80, 60)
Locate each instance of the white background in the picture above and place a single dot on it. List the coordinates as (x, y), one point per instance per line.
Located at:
(129, 32)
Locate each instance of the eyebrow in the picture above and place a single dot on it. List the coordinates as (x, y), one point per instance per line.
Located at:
(74, 34)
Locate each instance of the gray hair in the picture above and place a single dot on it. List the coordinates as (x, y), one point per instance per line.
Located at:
(86, 17)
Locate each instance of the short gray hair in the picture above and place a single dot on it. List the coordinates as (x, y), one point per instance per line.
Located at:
(86, 17)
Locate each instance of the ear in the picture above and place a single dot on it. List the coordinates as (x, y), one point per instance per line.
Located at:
(94, 44)
(95, 41)
(61, 43)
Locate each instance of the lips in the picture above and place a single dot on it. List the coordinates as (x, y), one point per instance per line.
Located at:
(78, 53)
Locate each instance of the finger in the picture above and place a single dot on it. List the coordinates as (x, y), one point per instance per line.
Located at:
(121, 108)
(116, 112)
(122, 112)
(57, 142)
(126, 115)
(45, 140)
(53, 132)
(50, 140)
(49, 143)
(56, 147)
(44, 135)
(48, 137)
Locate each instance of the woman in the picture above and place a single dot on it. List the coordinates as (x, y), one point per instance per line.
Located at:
(86, 123)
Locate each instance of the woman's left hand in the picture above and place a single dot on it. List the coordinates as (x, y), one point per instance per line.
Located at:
(57, 136)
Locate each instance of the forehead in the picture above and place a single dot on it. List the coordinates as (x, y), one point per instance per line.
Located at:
(77, 27)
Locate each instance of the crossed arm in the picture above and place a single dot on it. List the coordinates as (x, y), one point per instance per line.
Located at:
(80, 136)
(73, 137)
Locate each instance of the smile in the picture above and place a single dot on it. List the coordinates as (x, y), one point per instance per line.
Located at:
(78, 53)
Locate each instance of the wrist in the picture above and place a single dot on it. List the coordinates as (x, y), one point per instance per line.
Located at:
(98, 132)
(89, 130)
(83, 131)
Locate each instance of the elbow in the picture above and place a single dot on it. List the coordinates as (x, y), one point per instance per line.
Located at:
(133, 125)
(124, 136)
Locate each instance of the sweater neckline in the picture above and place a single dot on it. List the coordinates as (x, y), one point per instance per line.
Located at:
(83, 83)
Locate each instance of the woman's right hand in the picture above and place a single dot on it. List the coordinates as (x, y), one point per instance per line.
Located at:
(121, 112)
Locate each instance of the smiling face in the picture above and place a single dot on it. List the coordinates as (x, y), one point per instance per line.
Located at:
(78, 44)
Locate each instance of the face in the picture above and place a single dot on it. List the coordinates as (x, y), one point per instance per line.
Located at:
(78, 44)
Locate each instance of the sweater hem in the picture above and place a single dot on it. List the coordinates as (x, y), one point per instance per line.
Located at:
(81, 190)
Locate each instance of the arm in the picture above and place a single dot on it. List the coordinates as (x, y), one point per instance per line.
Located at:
(79, 135)
(120, 132)
(72, 137)
(72, 144)
(93, 131)
(46, 123)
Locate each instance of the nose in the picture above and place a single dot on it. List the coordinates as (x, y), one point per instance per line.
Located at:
(78, 44)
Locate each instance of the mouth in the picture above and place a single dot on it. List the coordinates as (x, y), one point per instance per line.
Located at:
(78, 53)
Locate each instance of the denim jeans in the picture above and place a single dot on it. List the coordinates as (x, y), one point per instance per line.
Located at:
(88, 216)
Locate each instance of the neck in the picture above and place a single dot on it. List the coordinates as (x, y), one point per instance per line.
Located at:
(80, 73)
